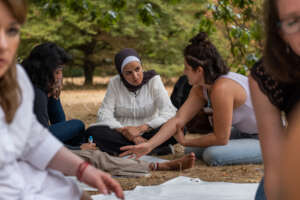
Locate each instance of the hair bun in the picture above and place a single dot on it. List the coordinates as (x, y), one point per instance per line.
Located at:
(199, 38)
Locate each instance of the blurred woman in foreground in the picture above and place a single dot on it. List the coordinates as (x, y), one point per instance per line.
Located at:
(31, 159)
(275, 91)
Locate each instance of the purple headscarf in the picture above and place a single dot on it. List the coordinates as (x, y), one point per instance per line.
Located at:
(120, 57)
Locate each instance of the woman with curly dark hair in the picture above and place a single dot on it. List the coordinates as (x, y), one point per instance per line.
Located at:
(44, 67)
(275, 90)
(227, 100)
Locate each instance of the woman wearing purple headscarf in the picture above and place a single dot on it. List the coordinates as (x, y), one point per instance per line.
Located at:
(135, 106)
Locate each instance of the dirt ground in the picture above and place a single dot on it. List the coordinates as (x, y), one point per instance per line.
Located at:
(84, 103)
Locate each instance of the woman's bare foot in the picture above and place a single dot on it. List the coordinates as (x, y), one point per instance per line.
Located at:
(186, 162)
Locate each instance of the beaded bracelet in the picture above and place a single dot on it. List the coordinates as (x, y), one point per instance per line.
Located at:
(82, 166)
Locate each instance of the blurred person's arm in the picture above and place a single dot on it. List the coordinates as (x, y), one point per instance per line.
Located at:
(68, 163)
(271, 135)
(290, 177)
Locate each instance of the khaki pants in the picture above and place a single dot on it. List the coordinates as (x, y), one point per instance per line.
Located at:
(85, 196)
(116, 166)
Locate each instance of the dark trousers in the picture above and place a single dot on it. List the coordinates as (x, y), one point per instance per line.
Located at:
(70, 132)
(260, 193)
(110, 140)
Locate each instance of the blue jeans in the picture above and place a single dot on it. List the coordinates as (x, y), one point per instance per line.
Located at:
(241, 149)
(69, 132)
(260, 193)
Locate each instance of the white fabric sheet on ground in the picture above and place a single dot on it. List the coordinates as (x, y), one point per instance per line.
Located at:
(189, 189)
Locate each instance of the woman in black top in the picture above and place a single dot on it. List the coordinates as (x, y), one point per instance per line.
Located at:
(44, 67)
(274, 85)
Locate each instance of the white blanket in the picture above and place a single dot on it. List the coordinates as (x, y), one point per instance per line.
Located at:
(185, 188)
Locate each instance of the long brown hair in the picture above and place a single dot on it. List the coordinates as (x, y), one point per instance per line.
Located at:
(280, 61)
(10, 93)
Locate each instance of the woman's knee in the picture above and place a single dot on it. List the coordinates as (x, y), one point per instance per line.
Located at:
(238, 151)
(212, 157)
(77, 124)
(98, 131)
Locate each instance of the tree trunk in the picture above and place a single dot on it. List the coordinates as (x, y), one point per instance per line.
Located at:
(88, 65)
(89, 69)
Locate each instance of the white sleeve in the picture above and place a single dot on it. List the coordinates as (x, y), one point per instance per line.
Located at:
(41, 147)
(7, 153)
(162, 102)
(25, 138)
(107, 108)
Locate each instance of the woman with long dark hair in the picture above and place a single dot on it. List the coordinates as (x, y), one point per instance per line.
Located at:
(224, 96)
(44, 67)
(32, 161)
(275, 90)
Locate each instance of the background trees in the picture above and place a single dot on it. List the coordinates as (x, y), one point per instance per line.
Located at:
(93, 30)
(241, 25)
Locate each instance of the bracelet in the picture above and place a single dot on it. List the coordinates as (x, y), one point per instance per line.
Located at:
(82, 166)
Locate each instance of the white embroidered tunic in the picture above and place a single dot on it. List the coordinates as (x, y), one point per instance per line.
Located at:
(149, 105)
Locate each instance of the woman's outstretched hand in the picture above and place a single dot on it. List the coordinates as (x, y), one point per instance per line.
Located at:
(136, 150)
(102, 181)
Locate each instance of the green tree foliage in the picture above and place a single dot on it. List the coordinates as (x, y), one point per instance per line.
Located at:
(240, 22)
(93, 30)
